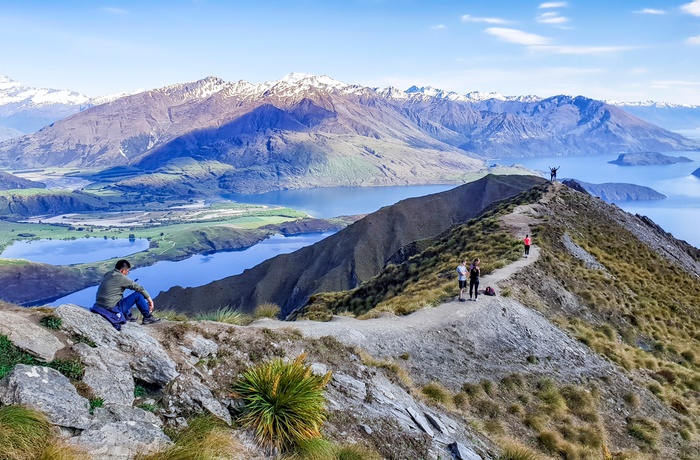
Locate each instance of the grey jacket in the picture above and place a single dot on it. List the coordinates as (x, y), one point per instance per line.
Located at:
(112, 289)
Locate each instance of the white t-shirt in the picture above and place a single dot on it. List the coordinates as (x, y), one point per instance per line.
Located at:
(462, 273)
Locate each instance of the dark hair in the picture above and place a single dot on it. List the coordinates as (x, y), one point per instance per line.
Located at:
(122, 264)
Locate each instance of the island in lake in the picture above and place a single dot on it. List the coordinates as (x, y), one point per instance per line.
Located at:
(612, 191)
(647, 159)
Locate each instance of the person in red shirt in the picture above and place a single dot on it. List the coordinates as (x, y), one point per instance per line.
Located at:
(527, 242)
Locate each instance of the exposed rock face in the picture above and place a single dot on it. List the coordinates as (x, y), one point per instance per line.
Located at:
(189, 391)
(107, 373)
(352, 255)
(29, 337)
(148, 360)
(47, 391)
(612, 191)
(121, 440)
(647, 159)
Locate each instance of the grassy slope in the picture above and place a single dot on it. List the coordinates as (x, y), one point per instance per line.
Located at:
(641, 313)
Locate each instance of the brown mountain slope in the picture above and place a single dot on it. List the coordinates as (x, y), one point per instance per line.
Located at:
(351, 256)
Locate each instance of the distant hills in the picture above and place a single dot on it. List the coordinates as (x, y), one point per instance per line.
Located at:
(669, 116)
(305, 131)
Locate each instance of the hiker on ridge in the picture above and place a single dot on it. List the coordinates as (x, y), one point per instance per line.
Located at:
(527, 242)
(553, 173)
(462, 278)
(110, 297)
(474, 273)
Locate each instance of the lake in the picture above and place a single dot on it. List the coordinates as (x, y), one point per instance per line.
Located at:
(202, 269)
(78, 251)
(339, 201)
(678, 214)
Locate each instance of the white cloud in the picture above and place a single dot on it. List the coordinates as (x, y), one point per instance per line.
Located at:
(467, 18)
(438, 27)
(673, 83)
(553, 5)
(518, 36)
(552, 18)
(650, 11)
(692, 8)
(110, 10)
(693, 40)
(581, 50)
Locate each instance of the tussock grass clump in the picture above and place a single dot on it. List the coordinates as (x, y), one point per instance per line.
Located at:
(225, 315)
(645, 430)
(516, 451)
(205, 438)
(356, 452)
(26, 435)
(436, 393)
(267, 310)
(283, 402)
(171, 315)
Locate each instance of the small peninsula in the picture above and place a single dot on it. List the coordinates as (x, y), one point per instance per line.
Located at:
(647, 159)
(612, 191)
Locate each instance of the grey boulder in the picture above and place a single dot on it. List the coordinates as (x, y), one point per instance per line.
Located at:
(107, 373)
(47, 391)
(29, 337)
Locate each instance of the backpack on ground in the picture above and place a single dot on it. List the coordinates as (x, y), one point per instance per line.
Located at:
(489, 291)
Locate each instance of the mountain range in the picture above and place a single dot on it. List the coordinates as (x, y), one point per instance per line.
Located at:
(305, 131)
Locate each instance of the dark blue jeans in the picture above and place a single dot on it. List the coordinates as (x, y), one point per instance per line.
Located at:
(127, 303)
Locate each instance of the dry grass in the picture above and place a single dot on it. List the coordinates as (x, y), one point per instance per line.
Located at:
(266, 310)
(205, 438)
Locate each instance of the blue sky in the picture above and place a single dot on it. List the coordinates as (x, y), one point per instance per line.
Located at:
(606, 49)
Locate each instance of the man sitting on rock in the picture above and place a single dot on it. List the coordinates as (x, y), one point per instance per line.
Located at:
(111, 304)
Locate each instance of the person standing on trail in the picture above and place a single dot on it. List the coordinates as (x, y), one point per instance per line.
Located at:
(553, 173)
(474, 273)
(462, 279)
(527, 242)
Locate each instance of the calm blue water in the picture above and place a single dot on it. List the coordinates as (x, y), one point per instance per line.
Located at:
(679, 214)
(78, 251)
(339, 201)
(202, 269)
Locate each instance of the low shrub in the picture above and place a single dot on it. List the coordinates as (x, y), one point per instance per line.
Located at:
(71, 367)
(171, 315)
(10, 356)
(283, 402)
(51, 322)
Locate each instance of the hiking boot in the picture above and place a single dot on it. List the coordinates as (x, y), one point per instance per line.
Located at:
(462, 300)
(131, 318)
(150, 320)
